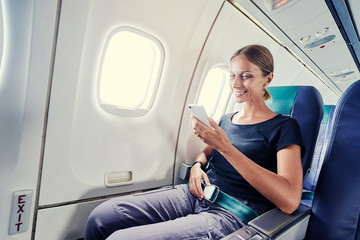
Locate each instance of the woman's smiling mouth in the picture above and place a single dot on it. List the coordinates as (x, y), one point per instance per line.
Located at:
(239, 93)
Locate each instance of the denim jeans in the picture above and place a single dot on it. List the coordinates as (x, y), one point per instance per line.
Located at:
(171, 213)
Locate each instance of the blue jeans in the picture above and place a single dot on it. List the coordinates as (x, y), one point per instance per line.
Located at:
(170, 213)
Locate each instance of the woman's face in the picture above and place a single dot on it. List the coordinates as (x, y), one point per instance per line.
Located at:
(246, 80)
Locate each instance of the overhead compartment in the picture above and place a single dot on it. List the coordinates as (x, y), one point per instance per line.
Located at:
(313, 36)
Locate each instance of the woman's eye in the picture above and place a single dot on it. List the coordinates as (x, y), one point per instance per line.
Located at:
(245, 76)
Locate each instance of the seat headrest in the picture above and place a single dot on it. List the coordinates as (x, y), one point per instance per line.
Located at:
(305, 104)
(336, 205)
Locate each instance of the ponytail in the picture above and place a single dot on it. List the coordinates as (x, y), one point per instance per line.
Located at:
(266, 95)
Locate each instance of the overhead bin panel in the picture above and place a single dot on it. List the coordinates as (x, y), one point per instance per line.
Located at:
(310, 26)
(287, 15)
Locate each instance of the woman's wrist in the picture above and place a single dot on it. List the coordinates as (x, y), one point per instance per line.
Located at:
(198, 162)
(226, 149)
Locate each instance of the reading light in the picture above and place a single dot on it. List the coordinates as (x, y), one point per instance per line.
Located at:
(273, 5)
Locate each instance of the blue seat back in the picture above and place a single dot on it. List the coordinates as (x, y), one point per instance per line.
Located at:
(312, 175)
(305, 104)
(336, 205)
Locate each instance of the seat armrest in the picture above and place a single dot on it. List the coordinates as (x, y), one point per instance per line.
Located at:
(184, 172)
(275, 224)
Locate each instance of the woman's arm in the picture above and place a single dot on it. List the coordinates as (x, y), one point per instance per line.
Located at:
(197, 174)
(283, 189)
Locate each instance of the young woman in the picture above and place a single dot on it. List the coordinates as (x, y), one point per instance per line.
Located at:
(255, 158)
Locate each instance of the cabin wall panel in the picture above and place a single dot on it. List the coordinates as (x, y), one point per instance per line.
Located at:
(65, 222)
(83, 141)
(13, 82)
(24, 76)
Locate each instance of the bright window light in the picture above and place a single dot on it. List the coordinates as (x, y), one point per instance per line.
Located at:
(130, 70)
(215, 92)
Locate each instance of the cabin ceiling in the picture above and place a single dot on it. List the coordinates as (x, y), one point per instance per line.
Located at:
(324, 35)
(348, 21)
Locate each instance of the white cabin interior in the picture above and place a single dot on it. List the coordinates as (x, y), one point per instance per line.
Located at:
(72, 147)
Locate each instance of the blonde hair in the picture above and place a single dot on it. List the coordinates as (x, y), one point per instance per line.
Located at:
(261, 57)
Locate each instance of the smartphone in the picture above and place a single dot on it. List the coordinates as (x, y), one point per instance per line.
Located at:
(199, 112)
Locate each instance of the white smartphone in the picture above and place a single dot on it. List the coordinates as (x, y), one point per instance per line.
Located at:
(199, 112)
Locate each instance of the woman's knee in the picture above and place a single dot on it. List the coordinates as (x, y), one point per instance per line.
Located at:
(99, 223)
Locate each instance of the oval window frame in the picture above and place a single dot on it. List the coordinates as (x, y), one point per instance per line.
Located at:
(148, 101)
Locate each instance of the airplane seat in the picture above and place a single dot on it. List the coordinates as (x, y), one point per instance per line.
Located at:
(335, 213)
(336, 205)
(312, 175)
(305, 104)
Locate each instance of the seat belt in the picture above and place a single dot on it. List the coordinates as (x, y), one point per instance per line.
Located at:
(307, 195)
(215, 195)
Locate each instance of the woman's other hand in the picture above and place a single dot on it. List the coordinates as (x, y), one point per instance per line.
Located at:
(197, 175)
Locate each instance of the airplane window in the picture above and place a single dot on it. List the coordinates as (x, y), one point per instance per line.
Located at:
(215, 92)
(130, 71)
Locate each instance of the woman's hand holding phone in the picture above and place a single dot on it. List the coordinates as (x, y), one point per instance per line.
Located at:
(198, 111)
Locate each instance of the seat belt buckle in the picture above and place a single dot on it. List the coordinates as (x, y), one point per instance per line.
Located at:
(211, 193)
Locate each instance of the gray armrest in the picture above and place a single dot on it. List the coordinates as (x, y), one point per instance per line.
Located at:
(184, 172)
(275, 224)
